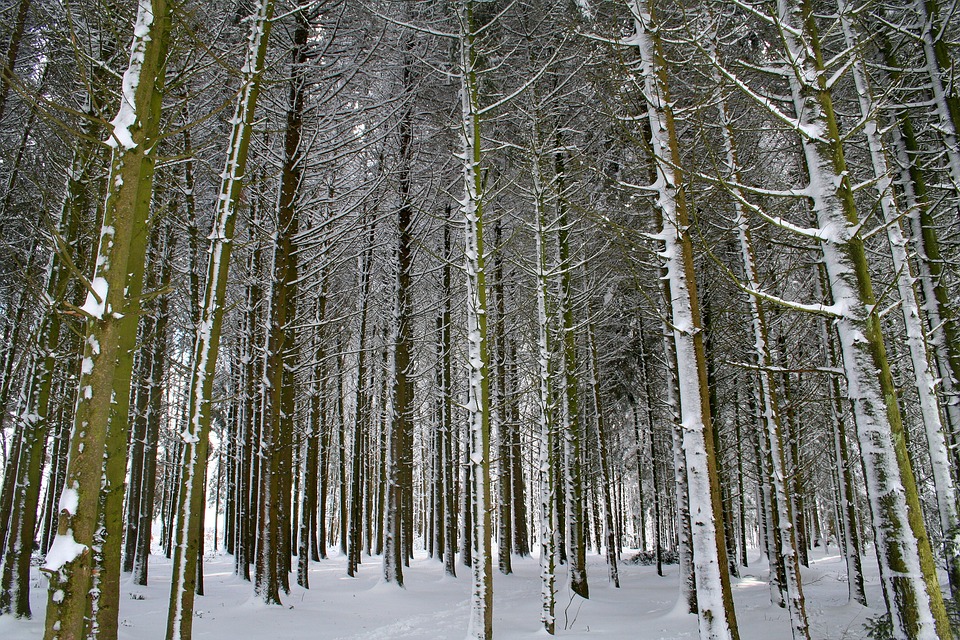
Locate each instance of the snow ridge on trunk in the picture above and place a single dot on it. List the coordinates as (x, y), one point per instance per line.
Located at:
(924, 379)
(478, 398)
(70, 565)
(207, 341)
(548, 524)
(945, 119)
(717, 620)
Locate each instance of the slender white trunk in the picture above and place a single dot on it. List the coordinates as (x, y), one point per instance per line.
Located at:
(545, 433)
(945, 121)
(688, 587)
(478, 384)
(392, 548)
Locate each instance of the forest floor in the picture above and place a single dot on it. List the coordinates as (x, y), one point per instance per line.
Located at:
(434, 606)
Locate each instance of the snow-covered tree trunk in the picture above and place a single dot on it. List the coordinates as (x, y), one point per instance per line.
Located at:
(741, 498)
(277, 446)
(571, 423)
(141, 394)
(105, 594)
(609, 527)
(521, 526)
(69, 563)
(152, 419)
(400, 456)
(688, 586)
(398, 394)
(207, 340)
(361, 414)
(845, 481)
(923, 378)
(313, 514)
(448, 455)
(499, 349)
(645, 365)
(784, 544)
(943, 335)
(910, 583)
(250, 373)
(714, 599)
(319, 404)
(309, 480)
(770, 530)
(940, 70)
(23, 476)
(545, 430)
(478, 382)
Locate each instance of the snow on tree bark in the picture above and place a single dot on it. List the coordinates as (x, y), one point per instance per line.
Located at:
(207, 339)
(714, 599)
(22, 479)
(478, 381)
(571, 420)
(924, 380)
(945, 96)
(545, 431)
(69, 564)
(784, 545)
(910, 584)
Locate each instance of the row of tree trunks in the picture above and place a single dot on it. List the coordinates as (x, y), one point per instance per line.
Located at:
(913, 597)
(345, 412)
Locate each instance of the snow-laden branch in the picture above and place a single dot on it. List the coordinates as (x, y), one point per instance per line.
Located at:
(413, 27)
(810, 132)
(830, 310)
(526, 85)
(733, 189)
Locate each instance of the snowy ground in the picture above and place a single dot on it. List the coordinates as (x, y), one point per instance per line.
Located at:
(433, 606)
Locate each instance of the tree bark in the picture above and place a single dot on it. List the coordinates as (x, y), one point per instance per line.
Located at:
(207, 342)
(70, 560)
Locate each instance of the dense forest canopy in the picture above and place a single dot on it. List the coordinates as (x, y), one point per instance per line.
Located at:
(483, 279)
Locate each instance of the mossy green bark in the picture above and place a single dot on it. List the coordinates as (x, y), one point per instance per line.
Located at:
(126, 211)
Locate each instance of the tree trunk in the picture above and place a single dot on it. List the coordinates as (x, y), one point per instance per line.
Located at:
(447, 432)
(478, 382)
(13, 48)
(714, 598)
(361, 421)
(910, 584)
(651, 422)
(609, 528)
(572, 426)
(399, 513)
(153, 419)
(545, 433)
(70, 559)
(923, 377)
(207, 345)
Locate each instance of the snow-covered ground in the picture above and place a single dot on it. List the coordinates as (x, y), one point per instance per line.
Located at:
(433, 606)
